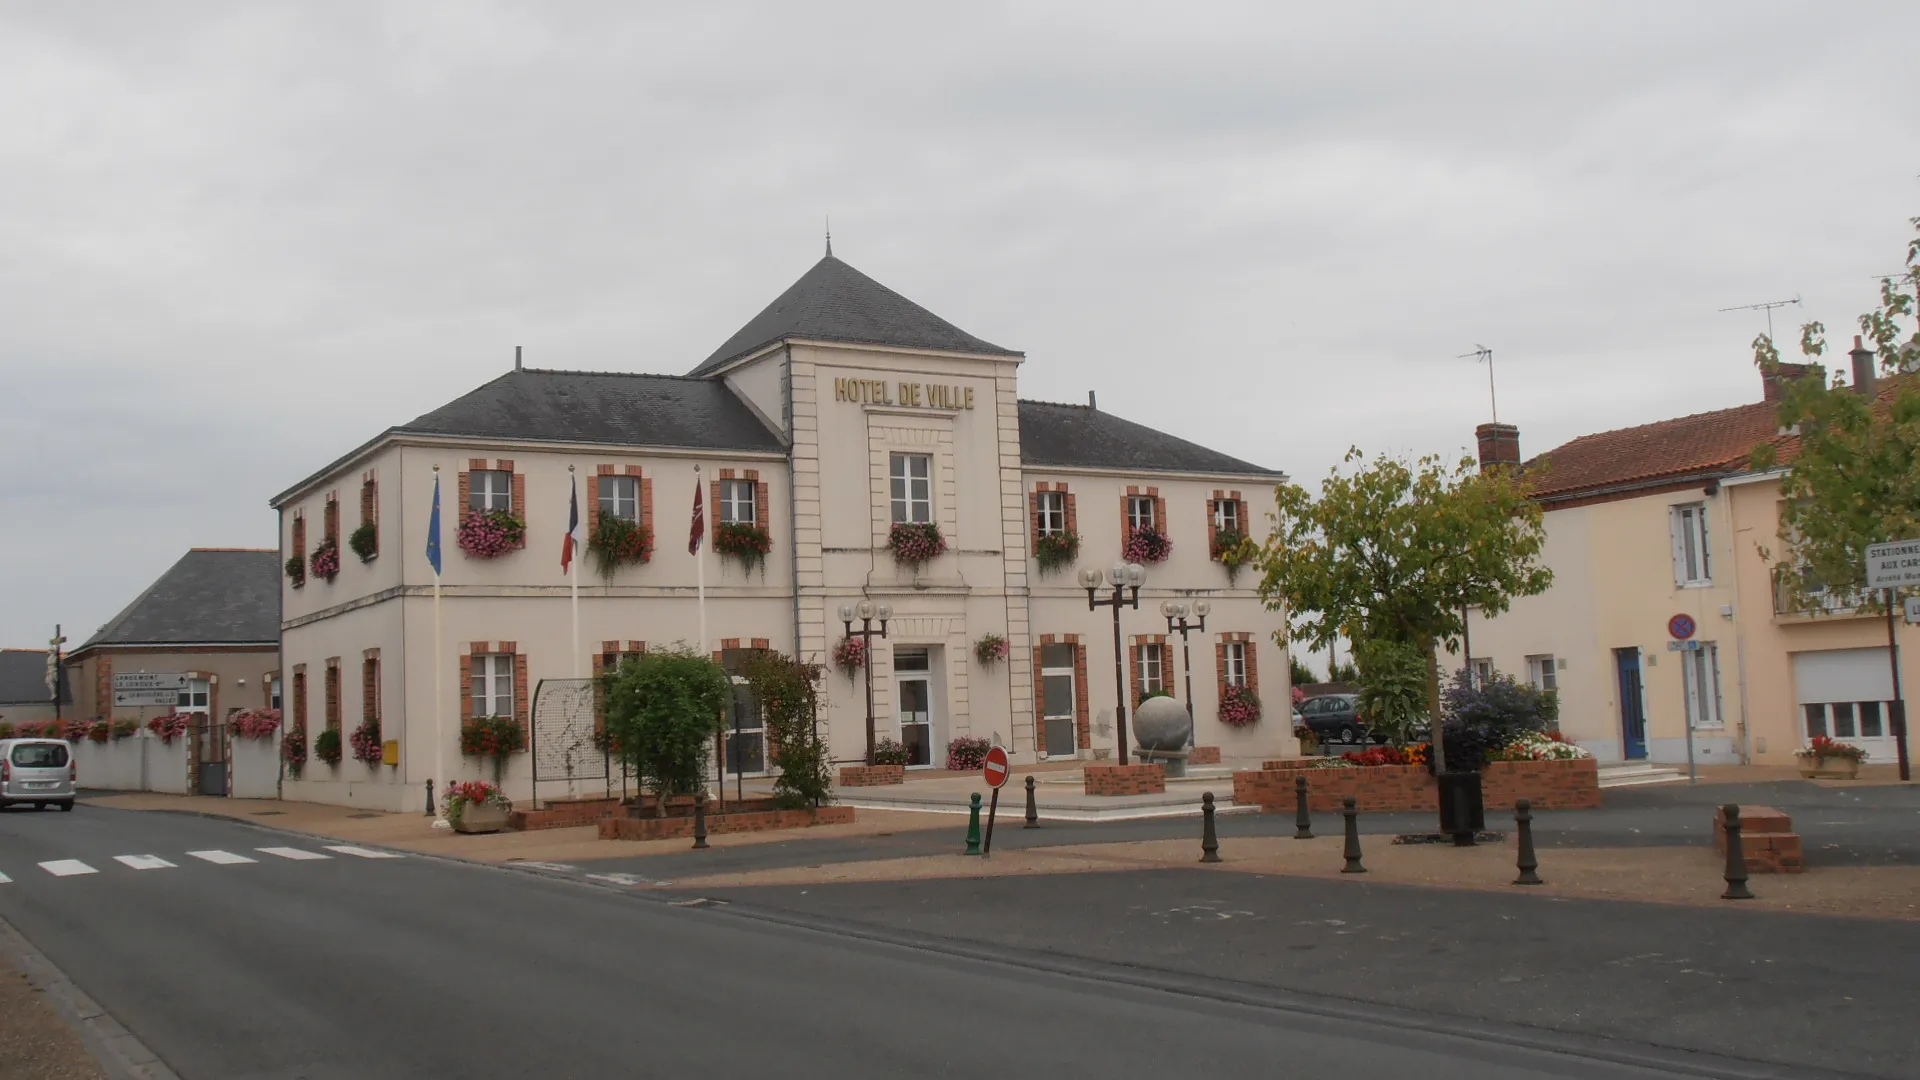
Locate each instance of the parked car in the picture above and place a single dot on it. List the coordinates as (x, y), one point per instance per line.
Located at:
(1333, 718)
(37, 771)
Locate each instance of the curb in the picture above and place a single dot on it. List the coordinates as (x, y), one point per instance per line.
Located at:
(120, 1053)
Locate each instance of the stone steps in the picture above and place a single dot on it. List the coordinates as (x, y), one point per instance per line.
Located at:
(1636, 773)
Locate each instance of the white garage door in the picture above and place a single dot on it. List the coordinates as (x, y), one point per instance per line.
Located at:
(1845, 693)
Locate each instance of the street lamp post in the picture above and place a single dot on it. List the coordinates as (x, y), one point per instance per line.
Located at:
(867, 611)
(1177, 622)
(1122, 576)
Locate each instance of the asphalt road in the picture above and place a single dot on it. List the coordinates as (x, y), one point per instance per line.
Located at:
(366, 968)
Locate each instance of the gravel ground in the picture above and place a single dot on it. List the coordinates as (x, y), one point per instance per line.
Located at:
(35, 1043)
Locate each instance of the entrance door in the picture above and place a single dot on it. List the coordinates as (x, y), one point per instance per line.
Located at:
(1633, 716)
(913, 679)
(746, 733)
(210, 755)
(1058, 700)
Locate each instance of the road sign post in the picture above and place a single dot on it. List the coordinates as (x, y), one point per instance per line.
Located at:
(1891, 567)
(996, 769)
(1681, 628)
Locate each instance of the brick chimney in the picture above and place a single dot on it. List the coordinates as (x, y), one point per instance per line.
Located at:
(1770, 381)
(1499, 445)
(1862, 367)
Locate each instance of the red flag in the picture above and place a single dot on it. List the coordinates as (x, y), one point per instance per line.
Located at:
(699, 522)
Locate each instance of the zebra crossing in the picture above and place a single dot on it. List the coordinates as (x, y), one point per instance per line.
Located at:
(147, 862)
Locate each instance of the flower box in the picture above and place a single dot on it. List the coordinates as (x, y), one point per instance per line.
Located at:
(480, 818)
(1832, 768)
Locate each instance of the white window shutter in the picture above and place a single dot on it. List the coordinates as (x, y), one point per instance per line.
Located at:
(1675, 524)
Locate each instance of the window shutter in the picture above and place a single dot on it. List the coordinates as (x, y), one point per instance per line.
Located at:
(1674, 526)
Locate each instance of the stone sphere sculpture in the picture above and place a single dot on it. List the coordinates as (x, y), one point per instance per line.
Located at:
(1161, 724)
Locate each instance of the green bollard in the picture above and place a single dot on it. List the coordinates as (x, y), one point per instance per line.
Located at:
(973, 826)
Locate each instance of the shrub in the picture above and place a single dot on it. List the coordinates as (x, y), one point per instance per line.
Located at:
(664, 708)
(7, 730)
(889, 752)
(1239, 706)
(788, 694)
(366, 742)
(1482, 716)
(1393, 688)
(495, 737)
(1147, 546)
(326, 746)
(618, 542)
(915, 543)
(467, 793)
(966, 754)
(1056, 550)
(746, 542)
(365, 541)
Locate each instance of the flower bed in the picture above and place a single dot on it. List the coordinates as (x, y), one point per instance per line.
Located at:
(889, 752)
(915, 543)
(1147, 546)
(1568, 784)
(489, 534)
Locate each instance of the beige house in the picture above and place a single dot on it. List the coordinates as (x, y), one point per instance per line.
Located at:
(838, 412)
(1664, 617)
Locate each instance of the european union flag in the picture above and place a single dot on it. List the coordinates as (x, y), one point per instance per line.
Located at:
(433, 529)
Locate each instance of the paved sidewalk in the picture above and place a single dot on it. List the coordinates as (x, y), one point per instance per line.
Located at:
(35, 1041)
(415, 832)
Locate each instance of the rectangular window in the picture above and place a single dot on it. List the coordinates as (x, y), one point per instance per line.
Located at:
(1236, 663)
(1226, 515)
(1701, 672)
(1053, 512)
(490, 489)
(1482, 671)
(195, 698)
(1540, 672)
(492, 689)
(746, 724)
(1870, 725)
(912, 488)
(1140, 513)
(738, 503)
(1153, 672)
(1690, 566)
(273, 694)
(1816, 720)
(619, 496)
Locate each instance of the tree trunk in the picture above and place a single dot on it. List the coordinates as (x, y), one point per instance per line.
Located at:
(1437, 729)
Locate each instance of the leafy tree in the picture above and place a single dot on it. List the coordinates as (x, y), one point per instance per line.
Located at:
(663, 710)
(1301, 674)
(1396, 552)
(1344, 671)
(788, 693)
(1393, 688)
(1856, 478)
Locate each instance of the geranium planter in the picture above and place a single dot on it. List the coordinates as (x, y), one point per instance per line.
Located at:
(480, 818)
(1833, 768)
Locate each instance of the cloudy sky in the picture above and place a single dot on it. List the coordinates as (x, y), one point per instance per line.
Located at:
(237, 239)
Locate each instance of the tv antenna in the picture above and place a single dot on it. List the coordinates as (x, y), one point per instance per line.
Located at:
(1768, 308)
(1481, 352)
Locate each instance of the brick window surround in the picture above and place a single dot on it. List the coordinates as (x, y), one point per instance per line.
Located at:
(641, 480)
(606, 662)
(520, 688)
(370, 686)
(751, 476)
(1213, 521)
(370, 505)
(298, 541)
(1137, 672)
(732, 643)
(464, 491)
(1159, 513)
(1253, 662)
(330, 519)
(297, 696)
(1033, 509)
(266, 690)
(1082, 723)
(333, 693)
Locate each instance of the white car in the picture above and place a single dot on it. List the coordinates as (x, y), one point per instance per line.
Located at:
(37, 771)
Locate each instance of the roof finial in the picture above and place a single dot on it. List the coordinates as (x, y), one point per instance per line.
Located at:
(829, 236)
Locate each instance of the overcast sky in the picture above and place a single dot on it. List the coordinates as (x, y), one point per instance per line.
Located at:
(237, 239)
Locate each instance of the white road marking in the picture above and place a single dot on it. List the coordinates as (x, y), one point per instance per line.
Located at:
(67, 868)
(4, 879)
(293, 853)
(143, 862)
(220, 858)
(620, 879)
(558, 867)
(364, 853)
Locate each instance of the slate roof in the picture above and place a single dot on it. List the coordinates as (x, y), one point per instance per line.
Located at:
(1083, 437)
(602, 407)
(835, 302)
(214, 596)
(23, 678)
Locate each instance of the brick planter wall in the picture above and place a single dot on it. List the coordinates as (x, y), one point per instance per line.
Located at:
(652, 828)
(1552, 785)
(1204, 755)
(564, 815)
(1126, 779)
(872, 775)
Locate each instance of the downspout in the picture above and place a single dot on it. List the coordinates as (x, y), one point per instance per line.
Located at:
(1739, 634)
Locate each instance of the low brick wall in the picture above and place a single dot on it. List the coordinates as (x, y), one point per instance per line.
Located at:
(1767, 840)
(1551, 785)
(652, 828)
(872, 775)
(563, 815)
(1204, 755)
(1125, 779)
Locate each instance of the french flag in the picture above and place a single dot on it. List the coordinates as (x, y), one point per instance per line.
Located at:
(573, 529)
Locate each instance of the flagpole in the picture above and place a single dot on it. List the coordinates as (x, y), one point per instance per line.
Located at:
(439, 670)
(573, 576)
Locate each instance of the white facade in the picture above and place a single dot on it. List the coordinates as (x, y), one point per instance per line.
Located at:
(841, 416)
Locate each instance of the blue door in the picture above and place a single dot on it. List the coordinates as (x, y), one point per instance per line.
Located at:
(1633, 718)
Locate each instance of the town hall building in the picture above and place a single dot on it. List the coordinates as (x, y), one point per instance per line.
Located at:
(839, 412)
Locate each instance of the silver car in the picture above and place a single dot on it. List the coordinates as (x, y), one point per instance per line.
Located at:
(37, 771)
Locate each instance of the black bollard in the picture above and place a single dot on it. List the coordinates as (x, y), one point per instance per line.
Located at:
(1302, 820)
(1033, 808)
(1209, 840)
(1736, 856)
(700, 821)
(1353, 839)
(1529, 865)
(429, 796)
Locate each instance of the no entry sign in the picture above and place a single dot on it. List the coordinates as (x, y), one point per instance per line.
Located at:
(997, 768)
